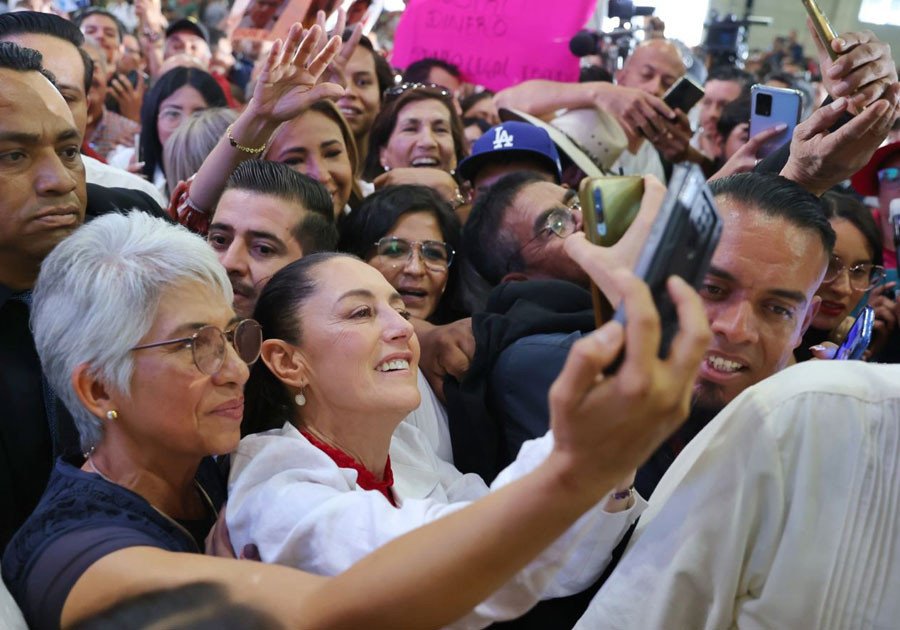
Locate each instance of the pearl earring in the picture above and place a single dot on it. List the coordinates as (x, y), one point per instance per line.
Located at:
(112, 415)
(300, 399)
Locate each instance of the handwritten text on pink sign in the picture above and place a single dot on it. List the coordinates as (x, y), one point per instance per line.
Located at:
(496, 43)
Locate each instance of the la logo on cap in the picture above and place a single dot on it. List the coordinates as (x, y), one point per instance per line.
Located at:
(502, 139)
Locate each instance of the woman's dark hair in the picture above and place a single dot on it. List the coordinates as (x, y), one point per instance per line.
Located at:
(151, 151)
(384, 73)
(841, 206)
(268, 403)
(473, 99)
(386, 121)
(381, 210)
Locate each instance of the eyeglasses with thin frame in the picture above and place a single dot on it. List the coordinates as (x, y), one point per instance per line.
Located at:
(862, 277)
(435, 255)
(890, 175)
(392, 93)
(561, 222)
(208, 345)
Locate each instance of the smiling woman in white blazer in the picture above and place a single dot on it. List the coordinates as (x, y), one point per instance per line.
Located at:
(318, 490)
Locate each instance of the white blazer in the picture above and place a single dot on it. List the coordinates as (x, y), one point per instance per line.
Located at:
(300, 509)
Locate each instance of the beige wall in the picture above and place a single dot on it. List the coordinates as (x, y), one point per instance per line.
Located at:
(790, 14)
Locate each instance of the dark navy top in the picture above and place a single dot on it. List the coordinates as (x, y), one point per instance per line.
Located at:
(81, 518)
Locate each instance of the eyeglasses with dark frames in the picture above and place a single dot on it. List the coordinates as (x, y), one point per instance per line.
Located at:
(208, 345)
(435, 255)
(561, 222)
(862, 277)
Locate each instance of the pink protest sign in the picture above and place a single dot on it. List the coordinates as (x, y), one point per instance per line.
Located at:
(496, 43)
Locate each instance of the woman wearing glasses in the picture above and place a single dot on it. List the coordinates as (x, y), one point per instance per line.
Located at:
(417, 138)
(411, 236)
(856, 268)
(154, 372)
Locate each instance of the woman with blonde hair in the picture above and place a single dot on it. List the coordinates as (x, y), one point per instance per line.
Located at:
(191, 142)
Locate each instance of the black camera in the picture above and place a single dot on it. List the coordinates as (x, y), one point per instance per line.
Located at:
(625, 10)
(763, 104)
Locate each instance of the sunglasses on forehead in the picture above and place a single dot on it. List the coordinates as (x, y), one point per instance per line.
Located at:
(432, 89)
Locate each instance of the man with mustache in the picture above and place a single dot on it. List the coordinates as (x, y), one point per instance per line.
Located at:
(292, 217)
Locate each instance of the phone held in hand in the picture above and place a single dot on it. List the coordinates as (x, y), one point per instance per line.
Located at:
(609, 205)
(858, 338)
(681, 242)
(822, 25)
(684, 94)
(770, 106)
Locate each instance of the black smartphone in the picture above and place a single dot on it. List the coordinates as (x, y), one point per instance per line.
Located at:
(681, 242)
(858, 337)
(684, 94)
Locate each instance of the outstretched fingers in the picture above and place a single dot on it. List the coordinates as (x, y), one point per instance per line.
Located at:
(307, 46)
(317, 66)
(271, 62)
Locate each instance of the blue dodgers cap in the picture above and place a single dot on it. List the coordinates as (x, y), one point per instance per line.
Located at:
(512, 137)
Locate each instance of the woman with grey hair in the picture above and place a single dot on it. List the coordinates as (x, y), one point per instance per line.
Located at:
(192, 141)
(133, 323)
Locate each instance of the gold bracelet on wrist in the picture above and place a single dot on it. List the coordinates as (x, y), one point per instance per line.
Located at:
(242, 148)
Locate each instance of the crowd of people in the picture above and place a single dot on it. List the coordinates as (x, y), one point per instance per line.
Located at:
(290, 337)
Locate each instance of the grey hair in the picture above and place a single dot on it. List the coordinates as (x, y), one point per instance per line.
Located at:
(97, 295)
(193, 141)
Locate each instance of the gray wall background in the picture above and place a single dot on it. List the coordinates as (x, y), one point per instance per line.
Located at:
(790, 14)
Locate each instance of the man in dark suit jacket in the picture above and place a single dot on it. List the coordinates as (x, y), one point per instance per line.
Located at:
(43, 199)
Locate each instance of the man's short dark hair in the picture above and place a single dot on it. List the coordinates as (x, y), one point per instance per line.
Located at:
(316, 230)
(728, 72)
(418, 71)
(34, 23)
(79, 17)
(21, 59)
(491, 250)
(777, 196)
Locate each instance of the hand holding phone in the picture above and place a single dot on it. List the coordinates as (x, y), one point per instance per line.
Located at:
(822, 26)
(770, 107)
(684, 94)
(681, 243)
(858, 338)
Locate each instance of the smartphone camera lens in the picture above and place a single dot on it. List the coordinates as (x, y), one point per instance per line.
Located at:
(764, 104)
